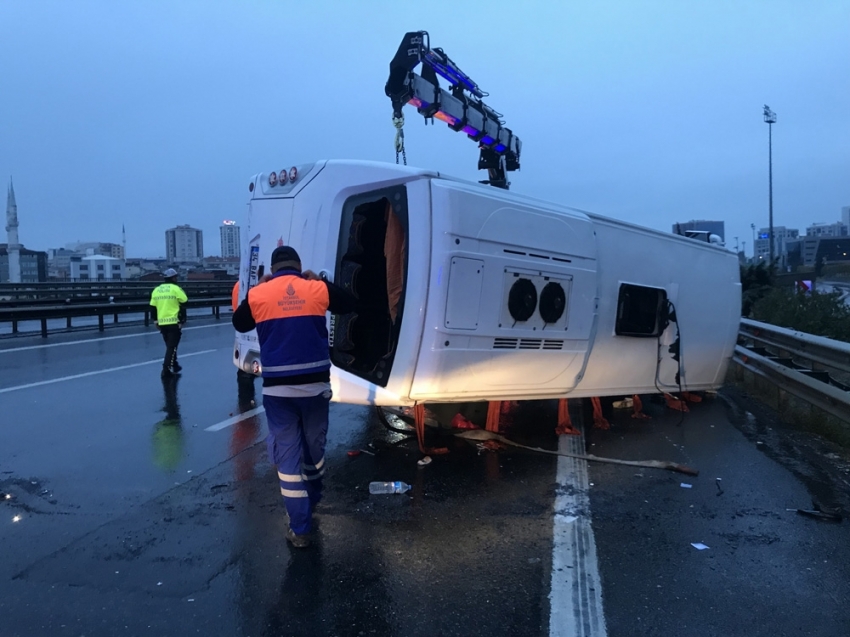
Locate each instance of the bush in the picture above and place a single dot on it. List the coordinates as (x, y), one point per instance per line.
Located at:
(810, 312)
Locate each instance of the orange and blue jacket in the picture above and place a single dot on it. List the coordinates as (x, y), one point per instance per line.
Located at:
(288, 313)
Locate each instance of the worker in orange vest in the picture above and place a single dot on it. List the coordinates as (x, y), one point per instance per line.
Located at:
(288, 311)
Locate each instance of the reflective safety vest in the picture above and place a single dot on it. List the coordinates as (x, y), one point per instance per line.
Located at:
(290, 315)
(167, 299)
(234, 297)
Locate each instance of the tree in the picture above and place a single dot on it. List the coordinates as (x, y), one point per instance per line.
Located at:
(823, 314)
(756, 282)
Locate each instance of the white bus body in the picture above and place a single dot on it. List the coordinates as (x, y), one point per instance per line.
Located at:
(484, 273)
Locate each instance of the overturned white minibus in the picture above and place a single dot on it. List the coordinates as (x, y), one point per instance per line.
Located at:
(472, 293)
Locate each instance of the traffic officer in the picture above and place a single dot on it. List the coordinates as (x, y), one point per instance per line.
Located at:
(288, 311)
(169, 313)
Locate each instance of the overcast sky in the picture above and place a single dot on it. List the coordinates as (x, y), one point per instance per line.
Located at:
(157, 113)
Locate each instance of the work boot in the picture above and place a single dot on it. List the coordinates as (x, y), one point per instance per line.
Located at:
(166, 373)
(298, 541)
(176, 368)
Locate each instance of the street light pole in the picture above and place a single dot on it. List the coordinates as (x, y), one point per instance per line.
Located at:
(753, 228)
(770, 120)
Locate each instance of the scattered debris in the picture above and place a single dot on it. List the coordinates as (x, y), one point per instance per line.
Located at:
(719, 488)
(699, 546)
(381, 488)
(425, 461)
(461, 422)
(821, 513)
(367, 451)
(685, 485)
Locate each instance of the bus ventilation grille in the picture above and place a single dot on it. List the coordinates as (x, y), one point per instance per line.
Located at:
(527, 343)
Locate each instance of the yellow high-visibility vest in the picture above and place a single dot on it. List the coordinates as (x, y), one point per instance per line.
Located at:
(167, 299)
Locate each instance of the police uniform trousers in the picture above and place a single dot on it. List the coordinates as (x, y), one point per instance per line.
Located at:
(298, 431)
(171, 335)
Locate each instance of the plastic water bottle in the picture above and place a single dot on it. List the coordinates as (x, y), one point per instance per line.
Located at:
(378, 488)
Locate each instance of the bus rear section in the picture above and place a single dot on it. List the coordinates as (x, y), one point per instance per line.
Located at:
(350, 222)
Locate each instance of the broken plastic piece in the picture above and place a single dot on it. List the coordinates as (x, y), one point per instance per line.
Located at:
(353, 453)
(699, 546)
(676, 404)
(425, 461)
(685, 485)
(830, 516)
(461, 422)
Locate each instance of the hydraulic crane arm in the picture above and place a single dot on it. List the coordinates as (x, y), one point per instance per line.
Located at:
(461, 107)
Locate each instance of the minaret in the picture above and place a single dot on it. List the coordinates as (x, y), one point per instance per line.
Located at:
(13, 248)
(124, 240)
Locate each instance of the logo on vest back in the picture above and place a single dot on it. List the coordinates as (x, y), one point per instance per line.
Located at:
(292, 301)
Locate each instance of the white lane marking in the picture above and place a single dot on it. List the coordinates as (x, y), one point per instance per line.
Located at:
(105, 338)
(575, 596)
(98, 371)
(238, 418)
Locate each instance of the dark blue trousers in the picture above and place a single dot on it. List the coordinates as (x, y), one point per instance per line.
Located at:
(298, 431)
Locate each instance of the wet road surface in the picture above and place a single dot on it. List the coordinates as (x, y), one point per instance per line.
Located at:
(133, 518)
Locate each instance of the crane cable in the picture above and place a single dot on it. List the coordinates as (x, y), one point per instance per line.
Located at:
(398, 122)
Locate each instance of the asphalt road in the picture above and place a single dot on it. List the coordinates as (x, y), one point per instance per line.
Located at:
(141, 507)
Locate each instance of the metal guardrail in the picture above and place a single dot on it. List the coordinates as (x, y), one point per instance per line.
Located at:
(797, 363)
(22, 293)
(16, 315)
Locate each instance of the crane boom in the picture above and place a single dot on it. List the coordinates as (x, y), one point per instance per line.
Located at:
(461, 107)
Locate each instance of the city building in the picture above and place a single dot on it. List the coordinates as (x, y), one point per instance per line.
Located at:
(713, 227)
(845, 215)
(184, 244)
(827, 230)
(230, 239)
(228, 265)
(811, 250)
(114, 250)
(781, 235)
(96, 267)
(32, 265)
(59, 264)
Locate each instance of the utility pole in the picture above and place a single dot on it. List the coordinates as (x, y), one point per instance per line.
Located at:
(753, 228)
(770, 120)
(736, 244)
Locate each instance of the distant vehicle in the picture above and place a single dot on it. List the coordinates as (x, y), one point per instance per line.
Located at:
(703, 235)
(469, 292)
